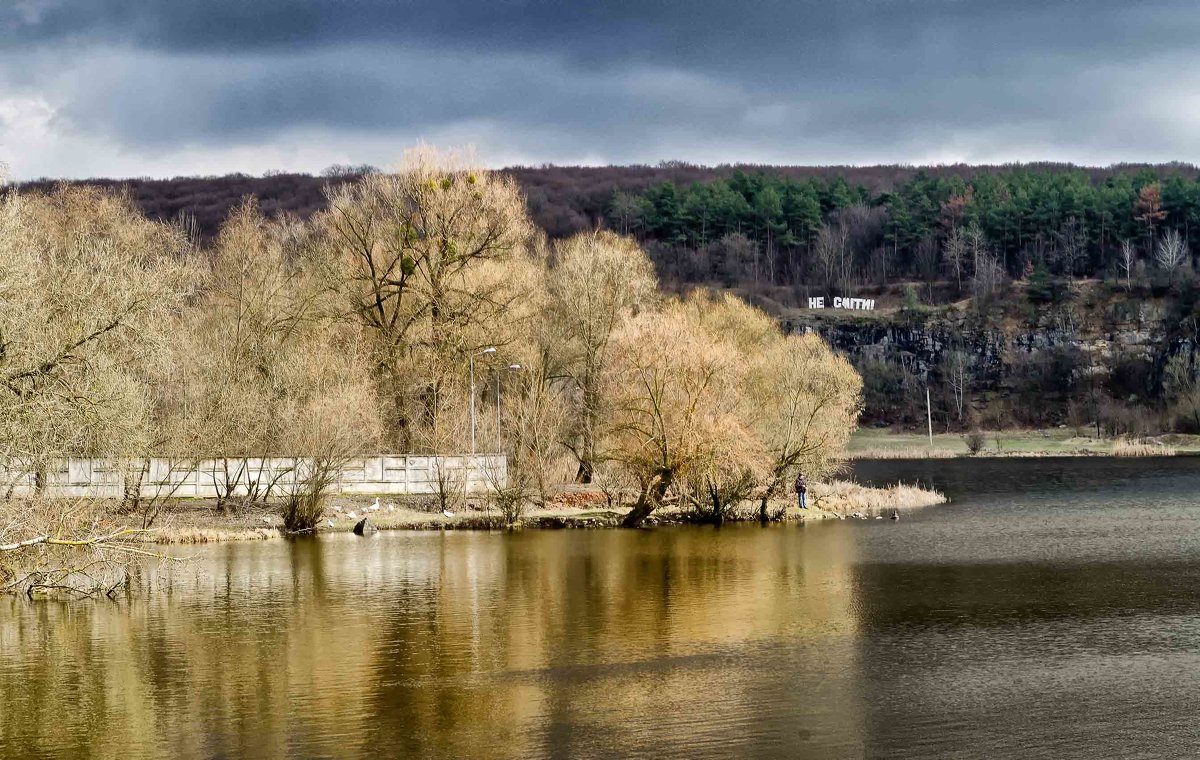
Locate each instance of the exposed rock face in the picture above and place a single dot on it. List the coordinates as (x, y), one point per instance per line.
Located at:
(1099, 330)
(365, 527)
(926, 339)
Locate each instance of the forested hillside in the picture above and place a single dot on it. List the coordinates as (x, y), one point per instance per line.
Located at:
(1074, 289)
(973, 229)
(800, 230)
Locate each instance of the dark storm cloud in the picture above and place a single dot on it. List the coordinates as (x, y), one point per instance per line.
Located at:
(733, 34)
(837, 80)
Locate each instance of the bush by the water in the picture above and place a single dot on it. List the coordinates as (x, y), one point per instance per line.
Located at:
(975, 441)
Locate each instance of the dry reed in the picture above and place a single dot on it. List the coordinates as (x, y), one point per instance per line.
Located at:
(847, 497)
(1124, 448)
(913, 452)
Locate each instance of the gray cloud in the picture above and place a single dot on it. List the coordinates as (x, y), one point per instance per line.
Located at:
(109, 86)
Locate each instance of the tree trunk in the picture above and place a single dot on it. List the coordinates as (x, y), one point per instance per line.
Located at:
(584, 473)
(649, 500)
(718, 507)
(641, 510)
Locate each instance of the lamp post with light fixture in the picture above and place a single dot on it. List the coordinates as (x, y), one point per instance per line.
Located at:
(471, 364)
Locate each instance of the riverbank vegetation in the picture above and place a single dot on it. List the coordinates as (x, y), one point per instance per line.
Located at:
(99, 523)
(390, 321)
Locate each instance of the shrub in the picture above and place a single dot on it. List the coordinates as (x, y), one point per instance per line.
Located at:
(510, 501)
(305, 504)
(975, 440)
(302, 510)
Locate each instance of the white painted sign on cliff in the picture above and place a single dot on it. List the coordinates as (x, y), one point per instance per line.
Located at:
(859, 304)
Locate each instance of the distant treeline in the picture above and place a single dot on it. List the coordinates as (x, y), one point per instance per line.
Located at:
(989, 223)
(804, 227)
(204, 203)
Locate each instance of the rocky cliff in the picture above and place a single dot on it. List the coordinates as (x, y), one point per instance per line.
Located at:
(1033, 359)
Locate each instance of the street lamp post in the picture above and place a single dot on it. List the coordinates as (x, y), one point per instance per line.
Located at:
(471, 364)
(511, 368)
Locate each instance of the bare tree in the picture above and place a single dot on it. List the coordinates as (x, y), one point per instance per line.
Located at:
(730, 257)
(88, 293)
(1171, 253)
(830, 251)
(1071, 245)
(627, 211)
(1181, 383)
(1128, 261)
(954, 252)
(88, 289)
(257, 309)
(988, 276)
(863, 231)
(957, 372)
(331, 417)
(64, 548)
(927, 257)
(536, 414)
(976, 243)
(272, 373)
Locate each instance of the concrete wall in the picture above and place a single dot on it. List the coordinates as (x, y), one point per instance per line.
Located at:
(387, 474)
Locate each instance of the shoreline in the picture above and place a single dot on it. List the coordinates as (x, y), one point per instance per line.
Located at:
(197, 522)
(867, 444)
(936, 454)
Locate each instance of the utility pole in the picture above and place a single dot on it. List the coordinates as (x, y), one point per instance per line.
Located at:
(929, 414)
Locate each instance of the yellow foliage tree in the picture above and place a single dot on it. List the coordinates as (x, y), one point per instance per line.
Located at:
(409, 255)
(709, 399)
(805, 402)
(598, 281)
(88, 292)
(676, 406)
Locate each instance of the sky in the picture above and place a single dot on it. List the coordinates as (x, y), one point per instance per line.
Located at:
(125, 88)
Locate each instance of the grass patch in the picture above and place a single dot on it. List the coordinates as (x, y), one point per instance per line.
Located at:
(883, 444)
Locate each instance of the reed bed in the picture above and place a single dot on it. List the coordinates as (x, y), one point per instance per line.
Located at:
(907, 453)
(847, 497)
(194, 535)
(1142, 449)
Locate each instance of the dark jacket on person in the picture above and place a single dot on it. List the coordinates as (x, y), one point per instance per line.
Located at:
(801, 485)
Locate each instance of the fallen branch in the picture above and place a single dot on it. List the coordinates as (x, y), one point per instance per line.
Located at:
(82, 542)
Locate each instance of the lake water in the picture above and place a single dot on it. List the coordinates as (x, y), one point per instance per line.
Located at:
(1051, 611)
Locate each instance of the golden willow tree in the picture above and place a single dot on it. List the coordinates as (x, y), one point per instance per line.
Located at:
(710, 400)
(89, 290)
(432, 261)
(272, 372)
(675, 406)
(599, 281)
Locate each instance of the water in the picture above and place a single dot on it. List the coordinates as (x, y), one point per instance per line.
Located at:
(1052, 610)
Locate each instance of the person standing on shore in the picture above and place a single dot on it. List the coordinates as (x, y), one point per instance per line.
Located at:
(801, 490)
